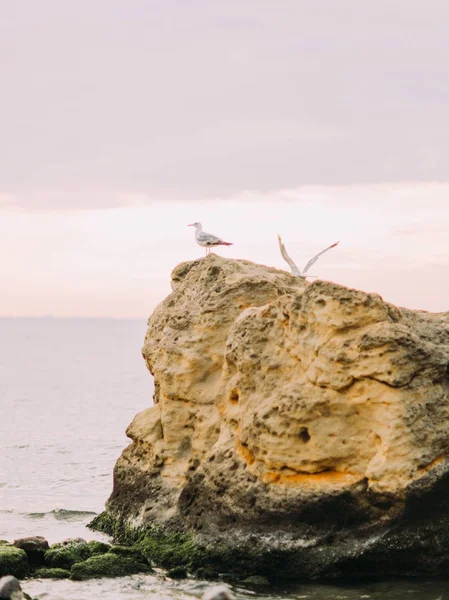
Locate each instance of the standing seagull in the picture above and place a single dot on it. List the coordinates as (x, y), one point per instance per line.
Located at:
(293, 266)
(207, 240)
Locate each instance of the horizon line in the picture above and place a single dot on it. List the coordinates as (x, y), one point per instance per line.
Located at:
(68, 318)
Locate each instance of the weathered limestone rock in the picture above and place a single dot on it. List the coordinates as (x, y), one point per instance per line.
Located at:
(304, 427)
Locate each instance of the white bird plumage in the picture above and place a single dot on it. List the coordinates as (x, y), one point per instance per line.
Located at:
(294, 268)
(207, 240)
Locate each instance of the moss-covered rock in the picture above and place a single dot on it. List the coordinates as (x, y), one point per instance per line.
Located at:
(171, 550)
(13, 561)
(107, 565)
(116, 528)
(183, 550)
(98, 547)
(63, 556)
(129, 552)
(52, 573)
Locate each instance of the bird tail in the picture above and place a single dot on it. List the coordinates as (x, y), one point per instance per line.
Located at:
(227, 244)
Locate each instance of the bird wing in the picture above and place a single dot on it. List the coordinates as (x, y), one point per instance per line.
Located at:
(208, 238)
(317, 256)
(287, 258)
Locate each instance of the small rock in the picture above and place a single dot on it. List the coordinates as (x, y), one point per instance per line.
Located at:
(13, 561)
(218, 592)
(52, 574)
(66, 554)
(177, 573)
(108, 565)
(35, 548)
(74, 541)
(10, 588)
(31, 544)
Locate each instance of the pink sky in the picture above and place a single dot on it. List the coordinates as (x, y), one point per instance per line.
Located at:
(117, 262)
(122, 122)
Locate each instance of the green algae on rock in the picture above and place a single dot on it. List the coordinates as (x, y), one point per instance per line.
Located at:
(108, 565)
(64, 555)
(132, 552)
(49, 573)
(97, 547)
(13, 561)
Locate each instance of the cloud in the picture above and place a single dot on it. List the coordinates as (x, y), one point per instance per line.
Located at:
(199, 100)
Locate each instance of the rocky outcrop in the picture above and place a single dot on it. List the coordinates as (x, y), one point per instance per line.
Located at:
(302, 428)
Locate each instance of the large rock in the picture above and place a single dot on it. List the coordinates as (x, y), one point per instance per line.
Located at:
(302, 428)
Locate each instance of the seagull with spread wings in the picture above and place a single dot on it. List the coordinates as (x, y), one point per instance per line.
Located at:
(294, 268)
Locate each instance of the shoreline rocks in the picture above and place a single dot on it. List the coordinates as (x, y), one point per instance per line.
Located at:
(297, 431)
(73, 559)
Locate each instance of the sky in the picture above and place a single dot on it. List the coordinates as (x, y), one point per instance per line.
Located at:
(123, 121)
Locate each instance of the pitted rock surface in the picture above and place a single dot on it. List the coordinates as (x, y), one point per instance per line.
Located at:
(285, 408)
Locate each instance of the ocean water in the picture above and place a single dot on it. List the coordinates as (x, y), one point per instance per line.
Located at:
(68, 390)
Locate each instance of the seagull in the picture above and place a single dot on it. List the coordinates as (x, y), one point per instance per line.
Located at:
(292, 265)
(207, 240)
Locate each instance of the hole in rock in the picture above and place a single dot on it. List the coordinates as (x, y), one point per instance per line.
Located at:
(234, 396)
(304, 434)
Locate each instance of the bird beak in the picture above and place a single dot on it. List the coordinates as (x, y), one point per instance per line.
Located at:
(190, 225)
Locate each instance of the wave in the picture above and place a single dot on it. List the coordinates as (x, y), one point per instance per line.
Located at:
(62, 514)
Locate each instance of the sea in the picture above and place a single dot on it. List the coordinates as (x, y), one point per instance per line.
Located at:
(68, 390)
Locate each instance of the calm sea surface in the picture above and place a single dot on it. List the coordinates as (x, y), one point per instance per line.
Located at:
(68, 390)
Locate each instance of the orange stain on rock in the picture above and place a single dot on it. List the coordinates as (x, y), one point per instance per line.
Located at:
(245, 453)
(333, 478)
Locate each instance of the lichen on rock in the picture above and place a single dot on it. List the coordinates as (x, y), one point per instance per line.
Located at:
(298, 426)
